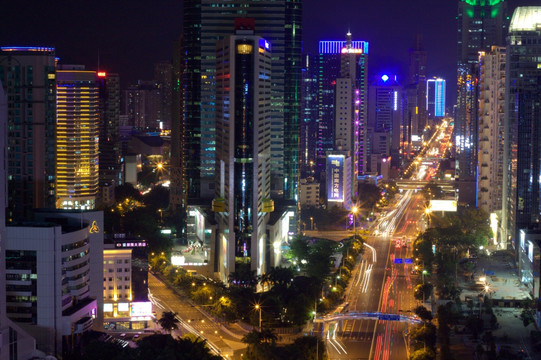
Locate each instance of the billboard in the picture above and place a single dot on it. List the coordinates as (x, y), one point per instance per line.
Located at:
(138, 309)
(442, 205)
(335, 178)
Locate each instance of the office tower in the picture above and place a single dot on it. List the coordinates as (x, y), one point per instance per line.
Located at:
(522, 133)
(28, 78)
(309, 115)
(435, 98)
(110, 171)
(205, 22)
(77, 134)
(416, 91)
(142, 104)
(14, 342)
(163, 72)
(384, 120)
(481, 24)
(54, 271)
(177, 187)
(243, 154)
(491, 129)
(348, 61)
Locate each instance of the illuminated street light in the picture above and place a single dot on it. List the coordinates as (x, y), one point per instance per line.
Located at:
(258, 307)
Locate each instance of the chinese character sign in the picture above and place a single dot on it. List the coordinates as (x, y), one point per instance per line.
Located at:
(335, 178)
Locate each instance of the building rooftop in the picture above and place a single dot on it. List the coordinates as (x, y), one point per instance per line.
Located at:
(526, 18)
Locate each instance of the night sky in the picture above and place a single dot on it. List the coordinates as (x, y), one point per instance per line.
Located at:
(131, 35)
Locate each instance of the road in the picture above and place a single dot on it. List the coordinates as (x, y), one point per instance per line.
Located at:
(191, 319)
(383, 280)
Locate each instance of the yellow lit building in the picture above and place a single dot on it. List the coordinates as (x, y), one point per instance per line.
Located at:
(77, 138)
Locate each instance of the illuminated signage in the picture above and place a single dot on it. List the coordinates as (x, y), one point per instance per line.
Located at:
(108, 307)
(335, 178)
(530, 251)
(94, 229)
(138, 309)
(244, 49)
(351, 51)
(443, 205)
(102, 74)
(337, 46)
(123, 306)
(178, 260)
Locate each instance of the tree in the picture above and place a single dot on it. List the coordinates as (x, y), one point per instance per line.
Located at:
(168, 321)
(423, 291)
(423, 354)
(423, 313)
(432, 191)
(527, 315)
(306, 348)
(425, 333)
(243, 276)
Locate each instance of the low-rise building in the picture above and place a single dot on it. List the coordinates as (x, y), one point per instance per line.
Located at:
(309, 193)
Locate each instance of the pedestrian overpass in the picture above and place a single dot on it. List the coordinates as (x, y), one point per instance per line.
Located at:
(352, 315)
(407, 184)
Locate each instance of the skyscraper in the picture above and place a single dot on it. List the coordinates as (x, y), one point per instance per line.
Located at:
(491, 129)
(14, 343)
(435, 98)
(415, 111)
(109, 122)
(384, 121)
(204, 23)
(521, 202)
(163, 79)
(344, 67)
(28, 77)
(309, 114)
(481, 24)
(77, 134)
(243, 148)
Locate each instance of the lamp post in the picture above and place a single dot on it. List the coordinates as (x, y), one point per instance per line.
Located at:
(354, 211)
(311, 223)
(258, 307)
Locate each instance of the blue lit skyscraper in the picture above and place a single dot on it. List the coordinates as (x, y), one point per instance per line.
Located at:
(435, 97)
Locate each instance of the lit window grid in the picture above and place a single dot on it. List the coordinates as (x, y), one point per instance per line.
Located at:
(77, 144)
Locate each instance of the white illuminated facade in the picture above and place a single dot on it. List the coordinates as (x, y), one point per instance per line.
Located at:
(491, 129)
(54, 277)
(243, 151)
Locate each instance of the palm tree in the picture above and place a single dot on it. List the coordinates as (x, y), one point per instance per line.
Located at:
(169, 321)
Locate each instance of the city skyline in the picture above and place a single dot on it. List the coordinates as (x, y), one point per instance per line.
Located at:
(146, 32)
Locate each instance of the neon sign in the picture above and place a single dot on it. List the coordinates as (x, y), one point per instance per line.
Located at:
(352, 51)
(94, 229)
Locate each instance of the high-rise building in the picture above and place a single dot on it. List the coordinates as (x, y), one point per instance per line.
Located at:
(343, 99)
(384, 117)
(244, 115)
(77, 136)
(14, 343)
(435, 98)
(491, 129)
(309, 115)
(163, 72)
(28, 78)
(110, 171)
(415, 110)
(54, 272)
(522, 154)
(481, 24)
(142, 104)
(204, 23)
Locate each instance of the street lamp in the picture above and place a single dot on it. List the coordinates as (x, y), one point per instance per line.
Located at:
(258, 307)
(354, 211)
(311, 223)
